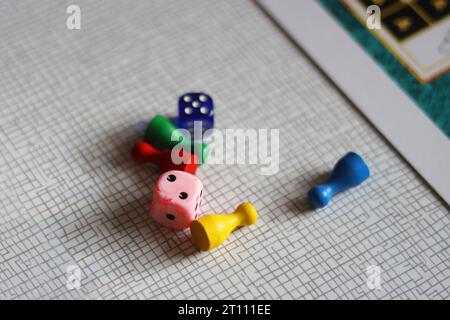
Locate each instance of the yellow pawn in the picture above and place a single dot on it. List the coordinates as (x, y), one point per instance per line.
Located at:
(211, 230)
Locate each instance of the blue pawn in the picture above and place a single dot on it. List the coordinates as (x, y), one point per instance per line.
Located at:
(349, 171)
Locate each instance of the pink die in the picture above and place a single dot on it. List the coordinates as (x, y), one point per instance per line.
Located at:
(176, 199)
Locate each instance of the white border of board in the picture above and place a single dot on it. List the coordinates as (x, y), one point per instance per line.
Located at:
(410, 131)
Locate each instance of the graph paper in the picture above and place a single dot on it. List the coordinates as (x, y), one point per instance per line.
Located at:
(73, 103)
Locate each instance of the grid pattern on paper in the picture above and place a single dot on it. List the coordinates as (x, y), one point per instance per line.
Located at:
(73, 102)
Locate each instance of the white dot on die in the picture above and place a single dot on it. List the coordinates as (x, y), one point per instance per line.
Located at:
(203, 98)
(188, 110)
(187, 98)
(204, 110)
(196, 104)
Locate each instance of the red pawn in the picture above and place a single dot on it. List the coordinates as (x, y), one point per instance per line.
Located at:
(145, 152)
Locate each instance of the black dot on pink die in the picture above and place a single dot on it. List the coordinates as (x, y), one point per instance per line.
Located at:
(171, 177)
(183, 195)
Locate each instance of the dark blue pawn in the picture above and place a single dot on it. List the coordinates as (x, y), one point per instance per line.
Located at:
(349, 171)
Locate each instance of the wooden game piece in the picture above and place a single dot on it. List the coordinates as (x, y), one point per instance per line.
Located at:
(349, 171)
(145, 152)
(162, 134)
(211, 230)
(190, 166)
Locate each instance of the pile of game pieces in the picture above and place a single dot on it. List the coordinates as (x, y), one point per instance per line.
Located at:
(157, 143)
(178, 192)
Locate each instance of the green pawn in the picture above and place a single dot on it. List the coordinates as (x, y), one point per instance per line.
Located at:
(159, 134)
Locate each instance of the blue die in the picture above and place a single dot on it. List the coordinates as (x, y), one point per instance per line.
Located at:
(195, 106)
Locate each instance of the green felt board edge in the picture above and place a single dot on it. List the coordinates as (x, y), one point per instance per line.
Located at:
(433, 98)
